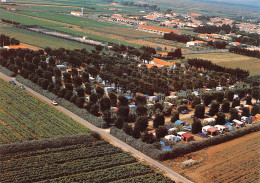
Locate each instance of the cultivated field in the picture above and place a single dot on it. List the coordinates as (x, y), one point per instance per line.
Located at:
(91, 161)
(233, 161)
(231, 60)
(40, 40)
(23, 117)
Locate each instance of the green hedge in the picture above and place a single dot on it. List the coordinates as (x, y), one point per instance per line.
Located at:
(181, 149)
(83, 113)
(7, 72)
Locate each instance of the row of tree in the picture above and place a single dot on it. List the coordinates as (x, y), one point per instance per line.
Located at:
(213, 29)
(206, 64)
(243, 51)
(6, 40)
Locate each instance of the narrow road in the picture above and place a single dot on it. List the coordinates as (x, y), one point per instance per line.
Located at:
(105, 135)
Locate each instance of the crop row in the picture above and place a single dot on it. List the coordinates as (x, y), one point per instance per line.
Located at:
(58, 158)
(107, 175)
(151, 178)
(50, 171)
(31, 118)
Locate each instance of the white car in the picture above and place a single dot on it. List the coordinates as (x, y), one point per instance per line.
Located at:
(54, 103)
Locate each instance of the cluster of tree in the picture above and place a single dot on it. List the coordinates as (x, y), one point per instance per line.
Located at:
(10, 22)
(206, 64)
(6, 40)
(213, 29)
(144, 5)
(248, 38)
(179, 38)
(218, 44)
(243, 51)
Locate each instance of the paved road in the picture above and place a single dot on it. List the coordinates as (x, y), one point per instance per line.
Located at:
(105, 135)
(206, 51)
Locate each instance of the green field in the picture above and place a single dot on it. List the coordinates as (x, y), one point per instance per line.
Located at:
(231, 60)
(91, 161)
(24, 117)
(41, 40)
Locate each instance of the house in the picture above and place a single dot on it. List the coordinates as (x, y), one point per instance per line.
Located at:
(195, 43)
(187, 137)
(15, 47)
(11, 8)
(234, 44)
(157, 30)
(221, 128)
(76, 13)
(172, 138)
(212, 131)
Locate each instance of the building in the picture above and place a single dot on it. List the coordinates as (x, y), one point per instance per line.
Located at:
(11, 9)
(76, 13)
(5, 1)
(15, 47)
(187, 137)
(196, 43)
(157, 30)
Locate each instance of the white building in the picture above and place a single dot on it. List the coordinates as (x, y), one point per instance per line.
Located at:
(196, 43)
(76, 13)
(5, 1)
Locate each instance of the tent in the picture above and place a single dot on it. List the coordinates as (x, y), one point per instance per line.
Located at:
(162, 144)
(179, 122)
(132, 107)
(167, 148)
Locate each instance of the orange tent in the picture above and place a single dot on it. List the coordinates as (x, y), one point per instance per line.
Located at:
(257, 116)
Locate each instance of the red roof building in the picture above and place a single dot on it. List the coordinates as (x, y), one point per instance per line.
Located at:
(157, 30)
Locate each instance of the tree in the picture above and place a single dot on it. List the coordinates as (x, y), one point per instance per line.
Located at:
(235, 102)
(119, 123)
(199, 111)
(175, 116)
(80, 92)
(123, 112)
(77, 81)
(107, 117)
(80, 102)
(245, 111)
(256, 93)
(225, 106)
(136, 133)
(178, 53)
(85, 77)
(159, 120)
(113, 98)
(161, 132)
(100, 92)
(220, 97)
(233, 114)
(214, 109)
(93, 98)
(140, 100)
(148, 138)
(128, 129)
(105, 104)
(157, 106)
(99, 48)
(221, 118)
(141, 110)
(123, 101)
(141, 123)
(255, 110)
(230, 95)
(249, 100)
(207, 99)
(196, 126)
(195, 102)
(94, 110)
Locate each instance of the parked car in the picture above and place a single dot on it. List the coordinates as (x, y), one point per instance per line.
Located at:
(185, 112)
(54, 103)
(22, 87)
(12, 82)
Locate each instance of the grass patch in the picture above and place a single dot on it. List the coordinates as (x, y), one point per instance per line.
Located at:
(231, 60)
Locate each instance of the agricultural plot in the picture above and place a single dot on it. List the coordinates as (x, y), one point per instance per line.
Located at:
(41, 40)
(23, 117)
(91, 161)
(231, 60)
(233, 161)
